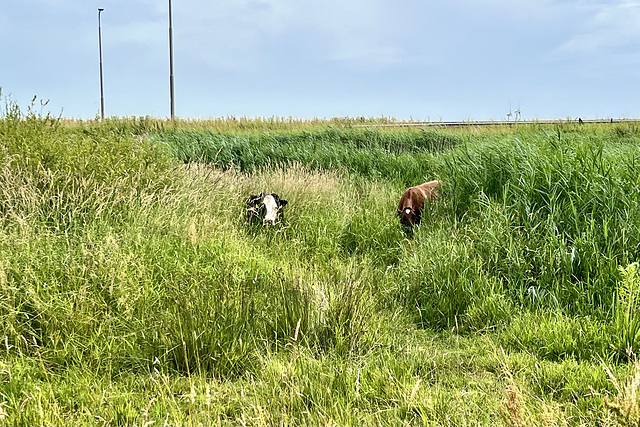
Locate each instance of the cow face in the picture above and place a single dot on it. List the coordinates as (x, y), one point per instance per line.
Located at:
(410, 207)
(409, 216)
(265, 208)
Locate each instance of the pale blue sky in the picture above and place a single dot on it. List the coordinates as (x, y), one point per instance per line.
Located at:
(407, 59)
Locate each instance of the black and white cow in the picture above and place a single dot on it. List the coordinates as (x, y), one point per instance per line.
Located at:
(265, 208)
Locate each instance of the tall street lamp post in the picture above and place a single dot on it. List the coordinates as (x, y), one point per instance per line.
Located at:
(173, 108)
(101, 81)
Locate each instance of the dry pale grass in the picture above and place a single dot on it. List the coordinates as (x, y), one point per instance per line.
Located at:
(625, 407)
(514, 411)
(293, 183)
(215, 198)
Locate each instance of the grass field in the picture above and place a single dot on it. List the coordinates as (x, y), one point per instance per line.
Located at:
(132, 292)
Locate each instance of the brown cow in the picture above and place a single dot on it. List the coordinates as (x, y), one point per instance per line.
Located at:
(412, 202)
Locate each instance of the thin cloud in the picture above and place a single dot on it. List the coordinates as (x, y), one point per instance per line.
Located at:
(612, 28)
(236, 34)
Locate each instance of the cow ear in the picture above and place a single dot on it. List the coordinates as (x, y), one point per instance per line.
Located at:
(283, 202)
(253, 200)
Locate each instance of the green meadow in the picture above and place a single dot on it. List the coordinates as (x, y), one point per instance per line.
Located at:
(133, 293)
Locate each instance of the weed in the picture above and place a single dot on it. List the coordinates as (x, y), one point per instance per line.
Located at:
(626, 313)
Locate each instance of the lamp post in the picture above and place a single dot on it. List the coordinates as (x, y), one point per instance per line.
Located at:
(173, 108)
(101, 81)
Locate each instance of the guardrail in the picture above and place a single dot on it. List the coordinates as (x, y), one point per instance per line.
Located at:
(497, 122)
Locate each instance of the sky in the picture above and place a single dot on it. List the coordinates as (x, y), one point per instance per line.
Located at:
(421, 60)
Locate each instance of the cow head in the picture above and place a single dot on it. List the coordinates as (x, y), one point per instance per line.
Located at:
(409, 216)
(265, 208)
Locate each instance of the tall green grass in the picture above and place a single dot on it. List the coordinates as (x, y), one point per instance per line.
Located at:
(568, 212)
(403, 156)
(131, 291)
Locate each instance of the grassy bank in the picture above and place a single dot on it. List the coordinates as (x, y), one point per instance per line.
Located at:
(131, 292)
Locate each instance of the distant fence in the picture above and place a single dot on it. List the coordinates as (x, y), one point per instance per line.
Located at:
(497, 123)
